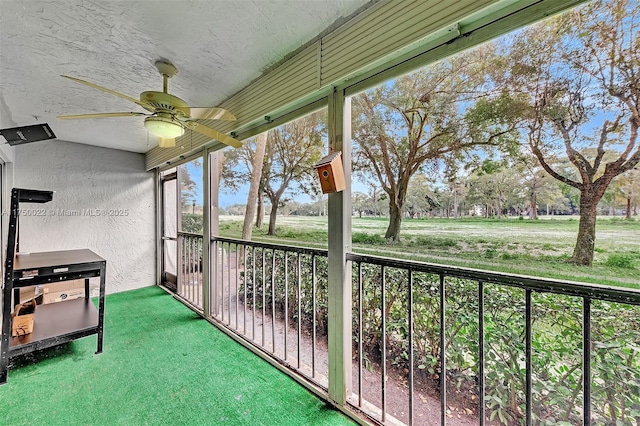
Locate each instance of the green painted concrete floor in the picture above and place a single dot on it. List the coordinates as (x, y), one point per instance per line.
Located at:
(161, 365)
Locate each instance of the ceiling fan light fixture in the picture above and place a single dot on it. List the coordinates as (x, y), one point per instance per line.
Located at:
(164, 127)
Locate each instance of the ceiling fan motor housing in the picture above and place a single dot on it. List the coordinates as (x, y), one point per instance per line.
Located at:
(164, 102)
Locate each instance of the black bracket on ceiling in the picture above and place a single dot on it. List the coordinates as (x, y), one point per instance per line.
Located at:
(27, 134)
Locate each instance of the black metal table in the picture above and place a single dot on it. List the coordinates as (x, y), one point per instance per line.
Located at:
(54, 323)
(58, 322)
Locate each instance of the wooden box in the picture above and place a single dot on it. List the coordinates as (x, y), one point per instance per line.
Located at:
(23, 318)
(331, 173)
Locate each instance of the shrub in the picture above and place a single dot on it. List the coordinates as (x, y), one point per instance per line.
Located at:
(490, 253)
(192, 223)
(302, 235)
(364, 238)
(509, 256)
(286, 233)
(434, 242)
(620, 261)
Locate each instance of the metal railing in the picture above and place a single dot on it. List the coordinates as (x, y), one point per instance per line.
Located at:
(272, 296)
(508, 349)
(433, 343)
(190, 280)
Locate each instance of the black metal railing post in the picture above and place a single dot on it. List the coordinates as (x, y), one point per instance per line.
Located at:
(481, 376)
(528, 384)
(586, 360)
(443, 356)
(383, 341)
(410, 332)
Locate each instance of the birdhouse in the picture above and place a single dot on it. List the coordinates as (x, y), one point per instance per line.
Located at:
(331, 173)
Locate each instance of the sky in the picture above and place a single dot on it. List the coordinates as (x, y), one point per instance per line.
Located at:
(230, 197)
(196, 176)
(227, 197)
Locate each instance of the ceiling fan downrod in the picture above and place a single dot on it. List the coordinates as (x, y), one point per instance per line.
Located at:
(167, 70)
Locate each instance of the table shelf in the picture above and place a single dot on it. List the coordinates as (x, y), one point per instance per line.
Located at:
(57, 323)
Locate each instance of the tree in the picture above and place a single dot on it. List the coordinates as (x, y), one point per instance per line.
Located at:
(191, 220)
(420, 197)
(293, 149)
(375, 199)
(256, 172)
(240, 165)
(494, 185)
(629, 187)
(456, 192)
(426, 116)
(359, 202)
(580, 74)
(539, 186)
(266, 170)
(188, 187)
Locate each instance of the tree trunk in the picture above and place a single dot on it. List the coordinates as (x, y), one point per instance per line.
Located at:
(533, 206)
(455, 205)
(256, 173)
(585, 243)
(395, 220)
(260, 209)
(272, 217)
(628, 208)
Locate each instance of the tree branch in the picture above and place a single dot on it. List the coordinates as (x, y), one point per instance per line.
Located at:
(536, 151)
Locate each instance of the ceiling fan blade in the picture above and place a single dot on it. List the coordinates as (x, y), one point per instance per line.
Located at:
(211, 114)
(113, 92)
(214, 134)
(99, 115)
(166, 142)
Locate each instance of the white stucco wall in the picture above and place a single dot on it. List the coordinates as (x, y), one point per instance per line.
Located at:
(104, 201)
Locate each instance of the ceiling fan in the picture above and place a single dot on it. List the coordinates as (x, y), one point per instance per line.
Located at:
(169, 115)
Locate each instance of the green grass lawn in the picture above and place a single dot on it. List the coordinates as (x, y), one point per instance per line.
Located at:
(530, 247)
(162, 365)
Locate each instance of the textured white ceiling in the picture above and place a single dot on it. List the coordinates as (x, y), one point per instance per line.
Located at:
(218, 46)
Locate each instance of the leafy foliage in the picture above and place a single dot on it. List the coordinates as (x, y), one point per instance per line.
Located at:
(364, 238)
(268, 288)
(192, 222)
(557, 345)
(620, 260)
(578, 75)
(556, 336)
